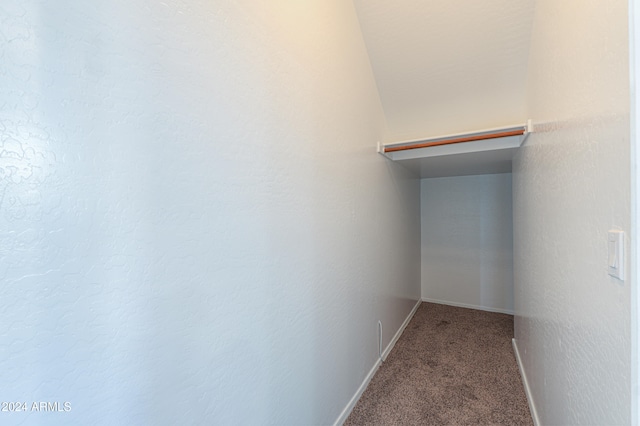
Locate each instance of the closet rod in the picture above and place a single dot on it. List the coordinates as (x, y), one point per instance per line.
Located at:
(456, 140)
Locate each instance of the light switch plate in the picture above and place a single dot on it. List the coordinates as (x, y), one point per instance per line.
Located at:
(616, 254)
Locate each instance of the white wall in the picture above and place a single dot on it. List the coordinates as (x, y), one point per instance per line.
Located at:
(194, 225)
(467, 241)
(571, 185)
(448, 66)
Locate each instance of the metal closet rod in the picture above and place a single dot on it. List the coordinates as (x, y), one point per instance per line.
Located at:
(453, 140)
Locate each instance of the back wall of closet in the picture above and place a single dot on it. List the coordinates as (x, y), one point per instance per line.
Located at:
(467, 241)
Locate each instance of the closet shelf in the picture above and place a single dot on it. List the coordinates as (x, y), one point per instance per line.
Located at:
(482, 152)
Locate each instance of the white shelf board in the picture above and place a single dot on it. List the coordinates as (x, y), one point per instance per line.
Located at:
(488, 156)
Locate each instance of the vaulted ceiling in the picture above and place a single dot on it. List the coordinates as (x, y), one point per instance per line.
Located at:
(448, 66)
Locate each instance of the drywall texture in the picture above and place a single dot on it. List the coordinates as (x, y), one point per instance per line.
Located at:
(571, 185)
(195, 227)
(467, 241)
(448, 66)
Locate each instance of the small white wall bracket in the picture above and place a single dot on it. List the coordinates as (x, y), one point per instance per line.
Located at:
(380, 150)
(528, 129)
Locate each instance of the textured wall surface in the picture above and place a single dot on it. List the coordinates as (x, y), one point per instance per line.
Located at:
(467, 241)
(571, 185)
(447, 66)
(194, 225)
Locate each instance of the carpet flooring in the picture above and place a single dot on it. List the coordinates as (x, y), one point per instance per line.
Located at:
(451, 366)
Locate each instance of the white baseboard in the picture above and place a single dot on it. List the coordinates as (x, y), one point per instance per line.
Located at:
(354, 400)
(393, 341)
(464, 305)
(525, 382)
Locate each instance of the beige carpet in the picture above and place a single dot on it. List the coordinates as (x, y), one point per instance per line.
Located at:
(452, 366)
